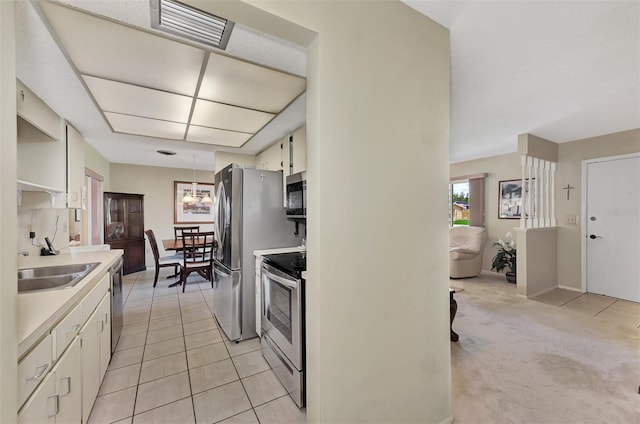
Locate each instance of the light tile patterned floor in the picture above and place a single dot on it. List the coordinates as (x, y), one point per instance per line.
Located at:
(173, 364)
(621, 312)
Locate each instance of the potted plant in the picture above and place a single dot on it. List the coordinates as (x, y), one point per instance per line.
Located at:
(506, 257)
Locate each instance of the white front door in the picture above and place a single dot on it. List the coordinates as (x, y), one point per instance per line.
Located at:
(613, 227)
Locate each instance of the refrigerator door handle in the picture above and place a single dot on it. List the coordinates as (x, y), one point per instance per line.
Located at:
(217, 225)
(220, 271)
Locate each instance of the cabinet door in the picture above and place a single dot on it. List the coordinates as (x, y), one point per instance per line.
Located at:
(258, 284)
(64, 333)
(33, 369)
(69, 385)
(43, 405)
(104, 316)
(75, 168)
(90, 359)
(134, 257)
(32, 109)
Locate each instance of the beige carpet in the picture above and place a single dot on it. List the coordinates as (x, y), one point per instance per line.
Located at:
(523, 361)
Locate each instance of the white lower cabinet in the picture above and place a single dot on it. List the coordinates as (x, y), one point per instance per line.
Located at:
(96, 353)
(259, 295)
(66, 393)
(69, 385)
(34, 368)
(58, 399)
(40, 408)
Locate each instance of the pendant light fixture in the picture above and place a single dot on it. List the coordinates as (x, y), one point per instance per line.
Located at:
(207, 198)
(191, 198)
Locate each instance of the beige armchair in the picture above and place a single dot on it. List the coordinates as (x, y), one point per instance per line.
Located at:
(466, 245)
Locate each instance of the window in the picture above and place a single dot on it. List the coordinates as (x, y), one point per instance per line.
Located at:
(466, 200)
(459, 203)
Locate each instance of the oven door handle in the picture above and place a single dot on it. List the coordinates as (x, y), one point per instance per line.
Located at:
(283, 281)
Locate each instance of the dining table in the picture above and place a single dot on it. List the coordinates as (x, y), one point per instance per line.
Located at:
(176, 244)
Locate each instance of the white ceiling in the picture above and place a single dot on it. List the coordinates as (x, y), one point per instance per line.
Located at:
(144, 83)
(560, 70)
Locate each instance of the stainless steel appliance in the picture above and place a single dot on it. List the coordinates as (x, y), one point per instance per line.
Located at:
(116, 302)
(248, 216)
(297, 195)
(283, 322)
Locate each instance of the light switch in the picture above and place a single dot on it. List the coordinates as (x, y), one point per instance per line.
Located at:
(570, 219)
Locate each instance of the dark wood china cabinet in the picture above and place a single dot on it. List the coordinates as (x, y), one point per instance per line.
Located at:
(124, 228)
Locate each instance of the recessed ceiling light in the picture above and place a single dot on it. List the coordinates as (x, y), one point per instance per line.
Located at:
(179, 19)
(166, 152)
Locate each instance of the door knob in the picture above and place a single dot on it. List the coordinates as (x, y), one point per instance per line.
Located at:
(593, 237)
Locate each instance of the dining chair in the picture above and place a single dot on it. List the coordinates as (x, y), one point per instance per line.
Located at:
(177, 231)
(198, 257)
(161, 262)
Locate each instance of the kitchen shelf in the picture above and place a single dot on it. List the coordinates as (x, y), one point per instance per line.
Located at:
(29, 186)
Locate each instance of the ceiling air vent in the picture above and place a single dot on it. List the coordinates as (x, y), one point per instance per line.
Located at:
(179, 19)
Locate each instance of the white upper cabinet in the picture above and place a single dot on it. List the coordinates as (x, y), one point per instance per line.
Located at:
(75, 168)
(41, 154)
(36, 112)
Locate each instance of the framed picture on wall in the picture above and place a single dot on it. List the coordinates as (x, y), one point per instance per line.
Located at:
(510, 199)
(198, 212)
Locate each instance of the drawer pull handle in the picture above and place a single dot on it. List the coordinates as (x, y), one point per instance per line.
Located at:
(56, 405)
(68, 386)
(74, 330)
(39, 372)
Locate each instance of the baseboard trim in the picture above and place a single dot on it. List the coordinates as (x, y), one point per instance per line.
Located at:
(570, 288)
(447, 420)
(548, 289)
(497, 274)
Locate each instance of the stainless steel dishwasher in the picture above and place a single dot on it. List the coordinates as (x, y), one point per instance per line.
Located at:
(116, 302)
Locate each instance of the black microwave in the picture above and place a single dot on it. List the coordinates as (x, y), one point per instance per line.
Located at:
(297, 195)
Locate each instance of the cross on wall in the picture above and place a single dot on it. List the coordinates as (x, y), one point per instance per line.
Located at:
(568, 188)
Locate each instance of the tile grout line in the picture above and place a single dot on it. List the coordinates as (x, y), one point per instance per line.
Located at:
(224, 340)
(184, 341)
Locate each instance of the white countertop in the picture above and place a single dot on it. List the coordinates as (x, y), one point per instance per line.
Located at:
(39, 311)
(279, 250)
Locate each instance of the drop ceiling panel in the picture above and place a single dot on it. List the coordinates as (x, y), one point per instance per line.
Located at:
(133, 100)
(216, 136)
(145, 126)
(217, 115)
(106, 49)
(233, 81)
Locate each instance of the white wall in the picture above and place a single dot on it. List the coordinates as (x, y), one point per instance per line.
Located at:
(377, 162)
(8, 216)
(97, 163)
(45, 222)
(157, 185)
(225, 158)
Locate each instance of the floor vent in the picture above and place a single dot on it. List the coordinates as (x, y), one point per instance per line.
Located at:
(185, 21)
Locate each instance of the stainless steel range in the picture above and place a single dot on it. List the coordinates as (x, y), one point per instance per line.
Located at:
(283, 332)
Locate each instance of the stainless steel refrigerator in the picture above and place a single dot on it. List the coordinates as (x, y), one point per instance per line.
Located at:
(249, 215)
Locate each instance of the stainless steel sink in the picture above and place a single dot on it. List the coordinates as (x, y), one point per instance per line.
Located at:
(52, 277)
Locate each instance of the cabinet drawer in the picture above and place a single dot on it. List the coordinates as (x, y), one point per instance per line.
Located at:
(33, 369)
(90, 302)
(65, 331)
